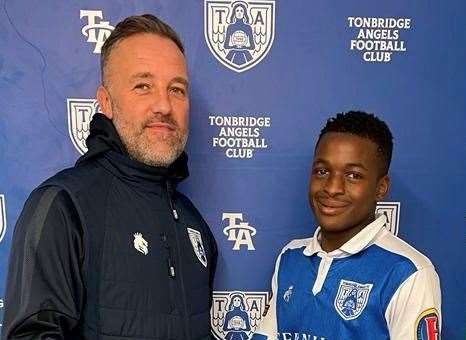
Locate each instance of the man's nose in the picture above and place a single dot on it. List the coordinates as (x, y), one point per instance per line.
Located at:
(161, 103)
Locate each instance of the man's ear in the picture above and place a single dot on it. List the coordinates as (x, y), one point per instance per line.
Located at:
(383, 185)
(103, 97)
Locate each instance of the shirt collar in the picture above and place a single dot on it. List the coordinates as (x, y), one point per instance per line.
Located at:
(359, 242)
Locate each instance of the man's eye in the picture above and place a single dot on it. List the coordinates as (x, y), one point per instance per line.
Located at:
(142, 86)
(178, 91)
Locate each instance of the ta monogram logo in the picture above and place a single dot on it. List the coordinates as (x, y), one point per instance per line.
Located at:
(240, 233)
(392, 211)
(80, 113)
(2, 217)
(236, 315)
(239, 33)
(96, 31)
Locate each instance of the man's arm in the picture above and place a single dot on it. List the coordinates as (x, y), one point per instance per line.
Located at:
(414, 312)
(45, 292)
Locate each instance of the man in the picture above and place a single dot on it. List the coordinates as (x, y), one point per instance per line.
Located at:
(109, 249)
(353, 279)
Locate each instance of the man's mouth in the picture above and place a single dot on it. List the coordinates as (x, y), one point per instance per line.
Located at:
(159, 126)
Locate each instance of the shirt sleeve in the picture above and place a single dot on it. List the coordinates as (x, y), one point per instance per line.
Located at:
(45, 292)
(414, 311)
(267, 329)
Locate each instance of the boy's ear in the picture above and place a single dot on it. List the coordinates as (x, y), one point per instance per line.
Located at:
(383, 185)
(103, 97)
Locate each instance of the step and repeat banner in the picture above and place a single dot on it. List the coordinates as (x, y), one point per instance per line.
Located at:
(264, 79)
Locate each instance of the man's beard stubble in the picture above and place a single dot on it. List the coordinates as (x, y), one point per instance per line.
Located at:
(160, 151)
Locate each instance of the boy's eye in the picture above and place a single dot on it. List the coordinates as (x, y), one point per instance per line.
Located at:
(319, 172)
(354, 175)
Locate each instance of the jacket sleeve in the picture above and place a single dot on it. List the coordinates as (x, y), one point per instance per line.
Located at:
(44, 293)
(414, 311)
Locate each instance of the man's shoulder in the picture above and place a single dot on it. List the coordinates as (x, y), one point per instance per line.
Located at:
(77, 178)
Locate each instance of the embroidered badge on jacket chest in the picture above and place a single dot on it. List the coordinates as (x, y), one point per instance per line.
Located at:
(198, 247)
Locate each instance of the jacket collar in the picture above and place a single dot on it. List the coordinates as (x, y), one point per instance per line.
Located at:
(105, 146)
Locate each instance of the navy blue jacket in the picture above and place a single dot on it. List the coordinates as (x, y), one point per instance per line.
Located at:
(110, 250)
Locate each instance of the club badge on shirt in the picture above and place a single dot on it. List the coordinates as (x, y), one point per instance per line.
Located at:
(351, 299)
(198, 246)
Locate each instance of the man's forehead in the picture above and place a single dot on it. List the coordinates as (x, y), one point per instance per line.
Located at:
(145, 56)
(150, 41)
(150, 75)
(147, 47)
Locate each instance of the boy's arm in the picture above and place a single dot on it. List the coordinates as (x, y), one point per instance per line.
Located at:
(414, 311)
(267, 330)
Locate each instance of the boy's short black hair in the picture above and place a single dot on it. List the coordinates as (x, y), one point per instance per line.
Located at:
(365, 125)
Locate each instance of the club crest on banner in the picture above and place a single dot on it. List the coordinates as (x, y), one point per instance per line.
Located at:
(392, 211)
(239, 33)
(351, 299)
(236, 315)
(80, 113)
(2, 217)
(198, 246)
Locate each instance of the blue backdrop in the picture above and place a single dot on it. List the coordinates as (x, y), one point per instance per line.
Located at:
(301, 62)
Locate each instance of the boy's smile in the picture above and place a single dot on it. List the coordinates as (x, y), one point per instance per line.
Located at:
(345, 185)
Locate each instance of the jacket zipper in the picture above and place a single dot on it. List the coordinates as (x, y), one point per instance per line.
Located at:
(170, 262)
(178, 247)
(170, 202)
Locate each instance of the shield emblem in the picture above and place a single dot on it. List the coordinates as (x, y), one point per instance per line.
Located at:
(2, 217)
(198, 246)
(392, 211)
(351, 299)
(239, 33)
(80, 113)
(236, 314)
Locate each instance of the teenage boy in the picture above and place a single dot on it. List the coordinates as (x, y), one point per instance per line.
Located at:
(353, 279)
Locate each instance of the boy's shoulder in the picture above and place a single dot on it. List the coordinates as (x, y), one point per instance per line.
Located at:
(398, 247)
(297, 243)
